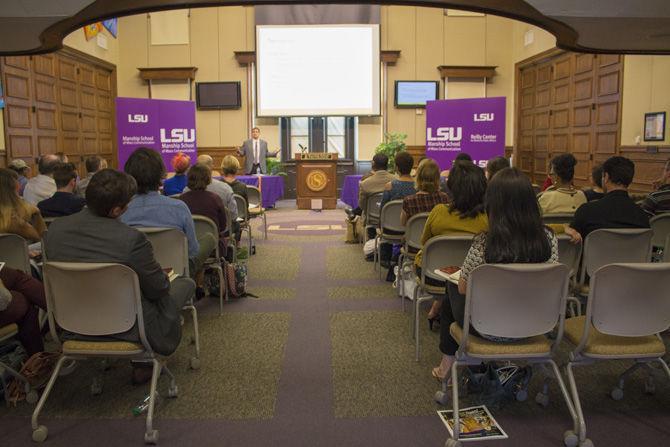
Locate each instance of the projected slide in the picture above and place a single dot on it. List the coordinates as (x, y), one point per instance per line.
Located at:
(311, 70)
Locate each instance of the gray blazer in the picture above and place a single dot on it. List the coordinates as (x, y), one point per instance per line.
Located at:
(247, 150)
(86, 237)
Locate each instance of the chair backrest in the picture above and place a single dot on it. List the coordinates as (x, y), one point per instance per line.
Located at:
(414, 230)
(14, 252)
(630, 300)
(254, 195)
(170, 248)
(557, 218)
(614, 245)
(516, 300)
(242, 207)
(444, 251)
(203, 225)
(389, 219)
(373, 209)
(93, 299)
(569, 253)
(660, 225)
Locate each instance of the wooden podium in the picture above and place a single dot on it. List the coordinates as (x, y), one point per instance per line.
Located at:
(316, 180)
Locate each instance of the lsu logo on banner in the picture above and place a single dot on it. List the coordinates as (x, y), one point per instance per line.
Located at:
(178, 136)
(138, 118)
(445, 134)
(484, 116)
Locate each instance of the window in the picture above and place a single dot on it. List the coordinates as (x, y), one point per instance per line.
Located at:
(318, 134)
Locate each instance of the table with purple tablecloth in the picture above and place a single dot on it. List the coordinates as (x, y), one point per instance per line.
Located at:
(349, 194)
(272, 187)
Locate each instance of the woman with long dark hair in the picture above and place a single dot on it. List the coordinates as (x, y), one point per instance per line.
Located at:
(515, 235)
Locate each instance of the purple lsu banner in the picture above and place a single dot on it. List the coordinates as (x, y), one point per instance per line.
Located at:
(166, 126)
(475, 126)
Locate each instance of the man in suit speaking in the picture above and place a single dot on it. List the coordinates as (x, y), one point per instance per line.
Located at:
(255, 152)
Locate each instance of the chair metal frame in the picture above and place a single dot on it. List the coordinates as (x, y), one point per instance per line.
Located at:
(494, 279)
(214, 262)
(570, 254)
(606, 319)
(412, 241)
(243, 218)
(372, 213)
(256, 207)
(389, 219)
(438, 252)
(127, 306)
(177, 258)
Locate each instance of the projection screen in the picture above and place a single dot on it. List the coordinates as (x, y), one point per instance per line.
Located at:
(317, 70)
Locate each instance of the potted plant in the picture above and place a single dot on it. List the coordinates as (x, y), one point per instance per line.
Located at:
(393, 143)
(275, 167)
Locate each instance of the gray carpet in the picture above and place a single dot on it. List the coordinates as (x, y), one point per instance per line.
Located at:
(323, 357)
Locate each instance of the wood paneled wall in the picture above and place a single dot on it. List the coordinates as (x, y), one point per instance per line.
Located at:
(59, 102)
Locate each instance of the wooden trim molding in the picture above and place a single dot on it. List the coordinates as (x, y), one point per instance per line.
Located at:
(467, 71)
(390, 56)
(245, 57)
(168, 73)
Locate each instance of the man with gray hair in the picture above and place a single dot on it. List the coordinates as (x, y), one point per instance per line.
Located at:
(208, 161)
(42, 186)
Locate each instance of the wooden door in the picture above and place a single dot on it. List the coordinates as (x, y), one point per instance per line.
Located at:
(18, 92)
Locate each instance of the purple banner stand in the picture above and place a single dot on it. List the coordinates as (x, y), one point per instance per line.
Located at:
(475, 126)
(165, 126)
(349, 193)
(272, 187)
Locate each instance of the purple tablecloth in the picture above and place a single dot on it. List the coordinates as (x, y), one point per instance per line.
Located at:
(349, 194)
(272, 187)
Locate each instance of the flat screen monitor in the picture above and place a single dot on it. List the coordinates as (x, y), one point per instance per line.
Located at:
(415, 94)
(218, 95)
(317, 70)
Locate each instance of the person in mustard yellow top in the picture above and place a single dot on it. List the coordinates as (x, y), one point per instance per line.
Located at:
(465, 214)
(562, 197)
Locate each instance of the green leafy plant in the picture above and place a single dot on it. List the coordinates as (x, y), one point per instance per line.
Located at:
(275, 167)
(393, 143)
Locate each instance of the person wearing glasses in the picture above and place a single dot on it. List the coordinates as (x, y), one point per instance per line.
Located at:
(562, 197)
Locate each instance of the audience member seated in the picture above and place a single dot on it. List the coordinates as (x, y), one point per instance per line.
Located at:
(64, 202)
(16, 215)
(97, 235)
(596, 181)
(659, 201)
(464, 214)
(62, 158)
(23, 170)
(203, 202)
(462, 156)
(177, 183)
(515, 235)
(562, 196)
(150, 209)
(94, 163)
(494, 165)
(616, 209)
(221, 189)
(404, 185)
(375, 183)
(428, 194)
(230, 167)
(21, 297)
(42, 186)
(208, 161)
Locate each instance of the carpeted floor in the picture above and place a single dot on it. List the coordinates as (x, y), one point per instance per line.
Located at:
(323, 357)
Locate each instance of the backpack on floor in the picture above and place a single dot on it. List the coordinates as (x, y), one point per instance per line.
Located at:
(494, 385)
(236, 280)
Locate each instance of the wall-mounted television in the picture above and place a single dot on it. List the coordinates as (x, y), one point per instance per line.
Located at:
(218, 95)
(414, 94)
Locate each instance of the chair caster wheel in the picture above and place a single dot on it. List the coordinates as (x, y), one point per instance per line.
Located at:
(542, 399)
(617, 393)
(570, 439)
(40, 433)
(452, 443)
(521, 395)
(151, 437)
(195, 363)
(441, 397)
(96, 388)
(32, 396)
(173, 391)
(586, 443)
